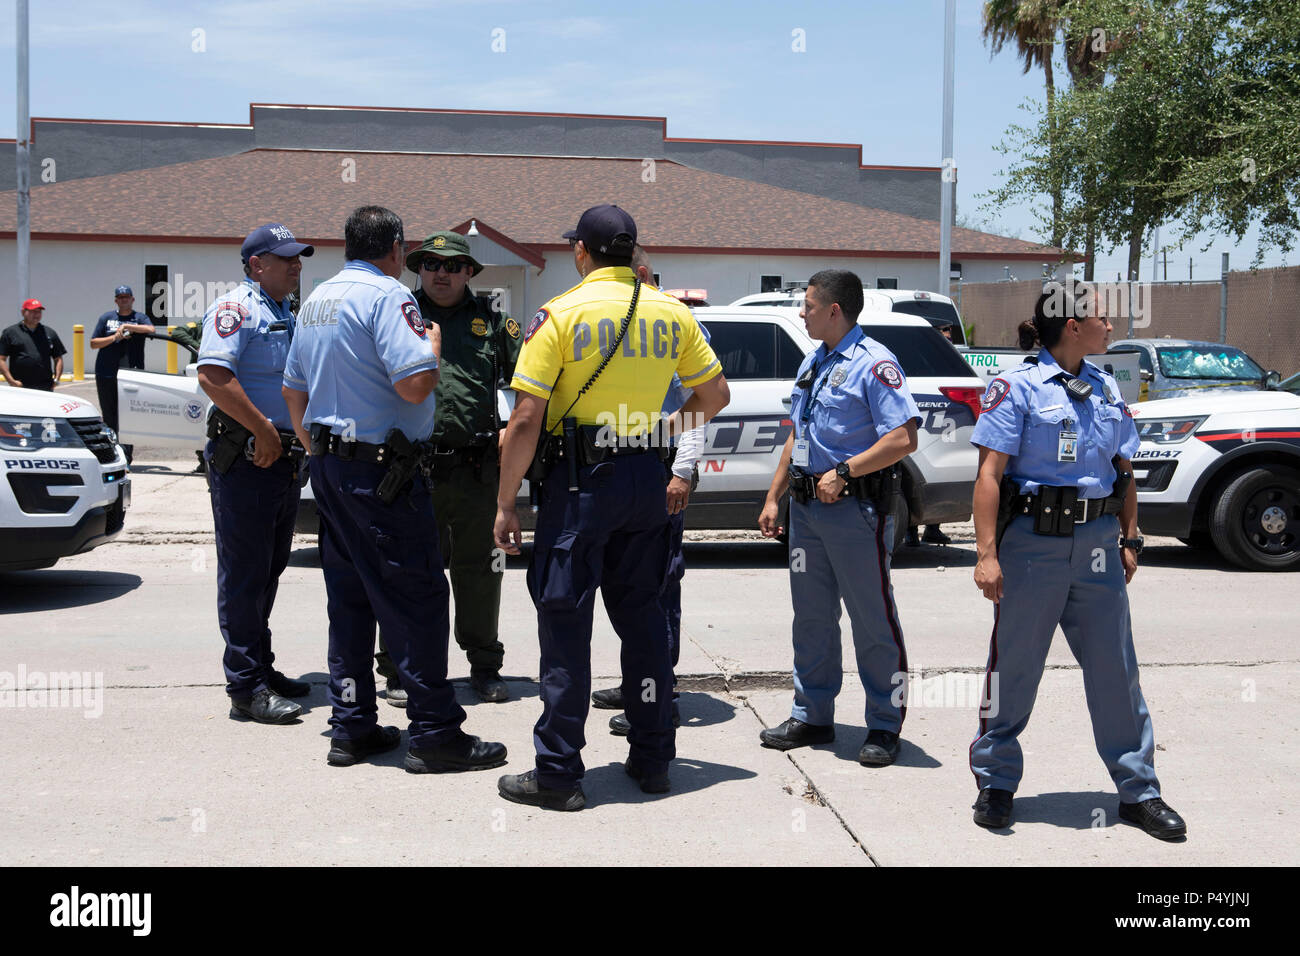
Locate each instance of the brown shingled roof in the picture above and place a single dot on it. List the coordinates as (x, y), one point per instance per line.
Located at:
(532, 199)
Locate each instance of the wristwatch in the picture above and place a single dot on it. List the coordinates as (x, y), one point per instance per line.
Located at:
(1134, 543)
(842, 469)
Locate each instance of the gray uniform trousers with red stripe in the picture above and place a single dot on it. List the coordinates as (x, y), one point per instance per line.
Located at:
(841, 551)
(1077, 582)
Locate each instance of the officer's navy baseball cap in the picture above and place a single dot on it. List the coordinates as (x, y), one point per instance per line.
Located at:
(606, 229)
(33, 304)
(447, 244)
(275, 239)
(123, 290)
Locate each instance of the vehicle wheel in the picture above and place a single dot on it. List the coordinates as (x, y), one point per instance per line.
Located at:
(1198, 539)
(1256, 521)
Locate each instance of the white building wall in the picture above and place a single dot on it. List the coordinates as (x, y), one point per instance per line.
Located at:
(75, 279)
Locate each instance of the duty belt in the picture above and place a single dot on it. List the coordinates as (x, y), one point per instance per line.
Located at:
(1057, 510)
(593, 448)
(873, 487)
(325, 442)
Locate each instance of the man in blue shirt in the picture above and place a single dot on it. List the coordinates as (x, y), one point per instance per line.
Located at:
(359, 384)
(112, 339)
(854, 420)
(253, 481)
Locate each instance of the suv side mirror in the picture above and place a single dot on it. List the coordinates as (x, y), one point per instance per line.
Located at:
(1270, 381)
(1146, 375)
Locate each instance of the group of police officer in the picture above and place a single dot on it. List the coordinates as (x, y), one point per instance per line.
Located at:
(391, 397)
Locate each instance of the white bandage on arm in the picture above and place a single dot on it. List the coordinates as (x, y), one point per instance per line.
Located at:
(689, 449)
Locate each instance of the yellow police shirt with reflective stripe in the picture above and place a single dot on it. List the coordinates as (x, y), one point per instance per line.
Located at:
(567, 337)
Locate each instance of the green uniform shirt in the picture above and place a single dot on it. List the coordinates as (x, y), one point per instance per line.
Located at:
(479, 347)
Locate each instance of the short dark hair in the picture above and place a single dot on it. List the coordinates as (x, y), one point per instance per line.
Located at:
(842, 286)
(606, 260)
(370, 233)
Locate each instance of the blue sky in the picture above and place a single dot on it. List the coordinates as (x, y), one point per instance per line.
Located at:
(871, 73)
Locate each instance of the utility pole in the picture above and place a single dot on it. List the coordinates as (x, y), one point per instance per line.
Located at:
(948, 177)
(24, 148)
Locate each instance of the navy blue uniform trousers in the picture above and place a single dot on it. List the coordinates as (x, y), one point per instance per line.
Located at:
(672, 596)
(613, 534)
(382, 565)
(253, 511)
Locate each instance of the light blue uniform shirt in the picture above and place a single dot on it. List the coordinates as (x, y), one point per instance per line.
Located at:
(856, 395)
(238, 335)
(358, 334)
(1024, 414)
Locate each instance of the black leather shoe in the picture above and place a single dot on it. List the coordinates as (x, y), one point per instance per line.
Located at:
(287, 686)
(619, 725)
(795, 733)
(395, 694)
(524, 788)
(880, 750)
(611, 699)
(1154, 816)
(993, 808)
(934, 536)
(344, 753)
(650, 782)
(912, 541)
(265, 707)
(469, 754)
(489, 686)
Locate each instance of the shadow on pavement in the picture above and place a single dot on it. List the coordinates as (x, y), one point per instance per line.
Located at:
(1074, 810)
(703, 710)
(611, 784)
(849, 739)
(51, 590)
(1182, 556)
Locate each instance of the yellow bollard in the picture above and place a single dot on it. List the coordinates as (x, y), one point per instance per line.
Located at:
(171, 351)
(78, 353)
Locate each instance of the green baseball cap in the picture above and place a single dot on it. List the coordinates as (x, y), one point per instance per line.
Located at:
(447, 244)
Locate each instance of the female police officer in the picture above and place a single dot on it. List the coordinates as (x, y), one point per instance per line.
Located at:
(1056, 427)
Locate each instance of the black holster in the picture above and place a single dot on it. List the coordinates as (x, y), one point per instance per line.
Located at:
(229, 439)
(1007, 493)
(404, 462)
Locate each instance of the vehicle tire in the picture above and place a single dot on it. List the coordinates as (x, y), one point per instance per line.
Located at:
(1255, 523)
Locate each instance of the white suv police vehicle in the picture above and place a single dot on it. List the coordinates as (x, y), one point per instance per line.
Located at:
(1223, 469)
(63, 479)
(761, 349)
(939, 309)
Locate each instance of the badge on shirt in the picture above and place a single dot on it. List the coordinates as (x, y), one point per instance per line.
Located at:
(838, 376)
(229, 318)
(537, 322)
(512, 328)
(1067, 444)
(411, 312)
(1110, 398)
(888, 373)
(478, 327)
(799, 454)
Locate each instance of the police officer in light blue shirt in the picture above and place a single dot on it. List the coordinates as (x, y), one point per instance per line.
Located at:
(359, 387)
(1055, 439)
(252, 473)
(854, 420)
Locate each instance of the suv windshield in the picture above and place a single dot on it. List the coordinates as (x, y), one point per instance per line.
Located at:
(1207, 361)
(922, 352)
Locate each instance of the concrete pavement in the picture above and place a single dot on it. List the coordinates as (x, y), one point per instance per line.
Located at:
(161, 775)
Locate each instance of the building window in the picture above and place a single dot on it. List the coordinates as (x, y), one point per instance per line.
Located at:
(658, 283)
(887, 282)
(156, 303)
(769, 283)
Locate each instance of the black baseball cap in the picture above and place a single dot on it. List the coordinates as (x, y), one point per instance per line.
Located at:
(606, 229)
(275, 239)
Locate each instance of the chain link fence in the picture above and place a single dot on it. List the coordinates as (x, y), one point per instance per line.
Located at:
(1263, 313)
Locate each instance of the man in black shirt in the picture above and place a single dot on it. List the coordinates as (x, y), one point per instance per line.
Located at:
(27, 349)
(112, 339)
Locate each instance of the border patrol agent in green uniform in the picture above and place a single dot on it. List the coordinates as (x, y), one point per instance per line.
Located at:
(480, 346)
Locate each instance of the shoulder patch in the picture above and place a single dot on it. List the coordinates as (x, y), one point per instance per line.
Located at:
(888, 373)
(512, 328)
(228, 318)
(538, 320)
(993, 395)
(411, 312)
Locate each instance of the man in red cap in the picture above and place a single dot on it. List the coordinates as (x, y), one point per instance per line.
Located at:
(27, 349)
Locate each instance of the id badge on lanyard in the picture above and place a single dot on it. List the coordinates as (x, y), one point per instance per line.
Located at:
(1067, 445)
(799, 453)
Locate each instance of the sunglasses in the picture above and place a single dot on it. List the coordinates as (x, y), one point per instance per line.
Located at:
(451, 267)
